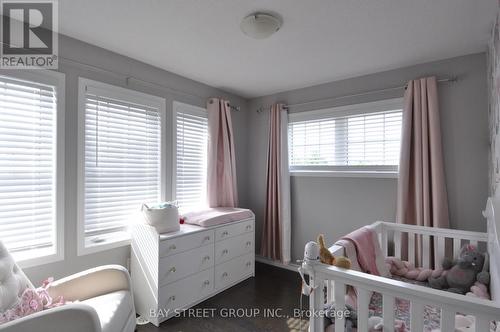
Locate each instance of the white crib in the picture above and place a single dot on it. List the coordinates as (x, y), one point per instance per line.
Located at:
(390, 237)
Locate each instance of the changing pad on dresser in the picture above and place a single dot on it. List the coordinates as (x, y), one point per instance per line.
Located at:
(216, 216)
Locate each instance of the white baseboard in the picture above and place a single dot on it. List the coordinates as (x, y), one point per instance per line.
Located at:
(264, 260)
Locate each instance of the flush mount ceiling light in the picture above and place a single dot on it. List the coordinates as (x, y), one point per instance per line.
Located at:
(260, 25)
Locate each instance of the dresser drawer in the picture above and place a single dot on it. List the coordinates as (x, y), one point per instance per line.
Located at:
(175, 267)
(234, 270)
(184, 292)
(234, 247)
(187, 242)
(228, 231)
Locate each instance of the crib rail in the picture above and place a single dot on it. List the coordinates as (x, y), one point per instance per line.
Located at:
(433, 243)
(449, 303)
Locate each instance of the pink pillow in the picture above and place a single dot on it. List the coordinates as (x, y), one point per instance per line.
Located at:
(31, 301)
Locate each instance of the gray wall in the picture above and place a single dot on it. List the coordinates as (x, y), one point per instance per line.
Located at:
(335, 206)
(92, 55)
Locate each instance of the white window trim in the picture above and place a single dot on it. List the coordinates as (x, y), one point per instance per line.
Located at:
(190, 109)
(382, 172)
(56, 79)
(120, 238)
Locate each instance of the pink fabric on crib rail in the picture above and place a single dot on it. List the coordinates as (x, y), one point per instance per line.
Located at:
(367, 249)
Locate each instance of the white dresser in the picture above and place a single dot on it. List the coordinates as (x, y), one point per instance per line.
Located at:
(177, 270)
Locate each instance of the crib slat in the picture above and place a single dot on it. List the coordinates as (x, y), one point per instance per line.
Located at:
(438, 251)
(330, 284)
(388, 312)
(339, 305)
(316, 301)
(447, 320)
(482, 323)
(411, 248)
(416, 321)
(425, 251)
(363, 301)
(397, 243)
(456, 247)
(383, 242)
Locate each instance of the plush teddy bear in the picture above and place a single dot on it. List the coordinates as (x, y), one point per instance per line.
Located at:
(326, 257)
(461, 274)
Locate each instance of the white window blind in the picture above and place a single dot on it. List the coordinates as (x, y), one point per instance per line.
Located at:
(352, 139)
(122, 159)
(28, 112)
(191, 156)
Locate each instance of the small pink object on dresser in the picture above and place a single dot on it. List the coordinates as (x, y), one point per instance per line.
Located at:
(216, 216)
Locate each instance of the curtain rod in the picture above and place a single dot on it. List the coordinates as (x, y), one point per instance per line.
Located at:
(129, 78)
(442, 80)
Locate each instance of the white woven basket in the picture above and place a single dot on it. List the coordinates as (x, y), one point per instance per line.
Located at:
(164, 220)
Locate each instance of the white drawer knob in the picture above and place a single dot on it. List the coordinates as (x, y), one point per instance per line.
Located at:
(207, 238)
(206, 258)
(172, 298)
(248, 264)
(173, 269)
(224, 275)
(225, 251)
(249, 227)
(173, 247)
(225, 233)
(206, 283)
(249, 243)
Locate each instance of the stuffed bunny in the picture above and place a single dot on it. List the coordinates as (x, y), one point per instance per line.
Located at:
(471, 266)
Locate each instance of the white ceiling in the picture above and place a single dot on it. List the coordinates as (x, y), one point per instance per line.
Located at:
(320, 41)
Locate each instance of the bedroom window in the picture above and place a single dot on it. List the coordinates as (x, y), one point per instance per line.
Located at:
(359, 139)
(32, 166)
(121, 161)
(190, 169)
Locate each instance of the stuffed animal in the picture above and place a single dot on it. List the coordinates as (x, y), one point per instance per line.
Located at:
(461, 274)
(326, 257)
(350, 319)
(12, 284)
(375, 323)
(463, 324)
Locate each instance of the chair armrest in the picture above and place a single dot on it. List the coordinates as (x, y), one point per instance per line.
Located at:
(74, 317)
(91, 283)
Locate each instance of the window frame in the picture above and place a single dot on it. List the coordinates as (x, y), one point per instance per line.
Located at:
(56, 79)
(190, 109)
(120, 238)
(370, 171)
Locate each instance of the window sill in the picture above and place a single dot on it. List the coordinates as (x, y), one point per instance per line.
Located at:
(346, 174)
(36, 257)
(102, 242)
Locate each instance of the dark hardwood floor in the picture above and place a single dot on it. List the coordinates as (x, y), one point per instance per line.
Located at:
(273, 289)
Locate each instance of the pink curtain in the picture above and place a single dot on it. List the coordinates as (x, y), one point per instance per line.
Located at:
(276, 220)
(221, 175)
(422, 197)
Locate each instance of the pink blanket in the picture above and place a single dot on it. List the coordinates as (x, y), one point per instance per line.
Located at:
(363, 249)
(367, 249)
(216, 216)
